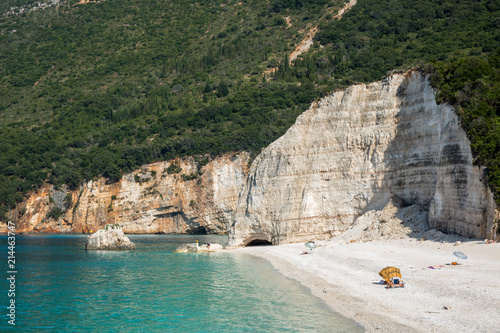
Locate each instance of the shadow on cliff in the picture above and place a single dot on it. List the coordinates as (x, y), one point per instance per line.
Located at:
(402, 198)
(394, 210)
(427, 165)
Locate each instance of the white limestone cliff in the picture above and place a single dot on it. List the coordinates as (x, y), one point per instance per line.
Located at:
(353, 150)
(349, 155)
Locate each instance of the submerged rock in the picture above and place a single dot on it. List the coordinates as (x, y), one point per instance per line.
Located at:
(109, 238)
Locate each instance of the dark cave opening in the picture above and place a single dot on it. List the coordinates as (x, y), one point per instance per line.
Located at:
(259, 242)
(198, 231)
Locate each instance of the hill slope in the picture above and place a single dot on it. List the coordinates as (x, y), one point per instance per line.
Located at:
(104, 87)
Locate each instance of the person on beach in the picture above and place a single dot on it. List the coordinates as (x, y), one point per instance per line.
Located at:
(395, 283)
(392, 277)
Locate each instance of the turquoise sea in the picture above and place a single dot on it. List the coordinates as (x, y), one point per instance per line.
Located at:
(61, 287)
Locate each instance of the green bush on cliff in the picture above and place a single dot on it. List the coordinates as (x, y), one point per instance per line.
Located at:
(472, 85)
(174, 168)
(55, 213)
(112, 226)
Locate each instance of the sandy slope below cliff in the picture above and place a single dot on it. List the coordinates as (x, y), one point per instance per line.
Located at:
(463, 298)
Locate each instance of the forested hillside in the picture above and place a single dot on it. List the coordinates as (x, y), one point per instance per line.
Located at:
(100, 88)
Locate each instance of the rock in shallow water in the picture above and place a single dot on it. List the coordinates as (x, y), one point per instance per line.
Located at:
(109, 238)
(194, 248)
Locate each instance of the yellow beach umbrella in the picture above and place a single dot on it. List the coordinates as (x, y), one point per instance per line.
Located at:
(390, 272)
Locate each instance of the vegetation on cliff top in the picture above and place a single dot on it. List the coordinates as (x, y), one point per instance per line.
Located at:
(102, 88)
(472, 85)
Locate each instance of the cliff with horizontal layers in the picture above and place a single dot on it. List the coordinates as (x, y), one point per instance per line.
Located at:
(383, 151)
(353, 151)
(179, 196)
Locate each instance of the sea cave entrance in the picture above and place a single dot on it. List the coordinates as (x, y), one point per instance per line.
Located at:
(259, 242)
(198, 231)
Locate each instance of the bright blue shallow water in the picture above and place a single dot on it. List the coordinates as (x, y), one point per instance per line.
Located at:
(61, 287)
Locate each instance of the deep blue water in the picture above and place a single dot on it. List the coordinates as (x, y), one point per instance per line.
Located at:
(61, 287)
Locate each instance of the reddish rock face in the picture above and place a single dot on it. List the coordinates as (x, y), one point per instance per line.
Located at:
(177, 196)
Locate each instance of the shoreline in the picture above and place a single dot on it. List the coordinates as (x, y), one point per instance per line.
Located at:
(445, 299)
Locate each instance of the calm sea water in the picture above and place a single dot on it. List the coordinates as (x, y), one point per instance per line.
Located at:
(60, 287)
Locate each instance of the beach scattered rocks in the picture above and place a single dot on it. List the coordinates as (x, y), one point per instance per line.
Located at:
(438, 236)
(390, 219)
(109, 238)
(195, 248)
(393, 219)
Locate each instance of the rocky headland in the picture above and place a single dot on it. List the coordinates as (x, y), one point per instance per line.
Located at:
(372, 152)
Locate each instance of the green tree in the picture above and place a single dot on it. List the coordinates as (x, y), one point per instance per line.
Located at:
(222, 89)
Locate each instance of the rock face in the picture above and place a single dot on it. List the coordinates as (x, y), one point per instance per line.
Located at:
(356, 148)
(109, 238)
(179, 196)
(345, 158)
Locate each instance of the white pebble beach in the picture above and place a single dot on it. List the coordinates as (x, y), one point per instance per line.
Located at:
(461, 298)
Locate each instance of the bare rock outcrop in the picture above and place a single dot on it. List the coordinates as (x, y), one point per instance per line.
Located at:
(360, 156)
(191, 195)
(356, 147)
(109, 238)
